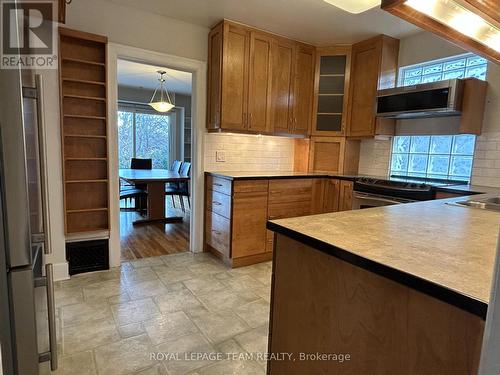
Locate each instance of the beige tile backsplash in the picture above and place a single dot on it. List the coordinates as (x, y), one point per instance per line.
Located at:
(248, 153)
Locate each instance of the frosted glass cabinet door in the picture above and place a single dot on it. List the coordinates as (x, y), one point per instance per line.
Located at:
(332, 78)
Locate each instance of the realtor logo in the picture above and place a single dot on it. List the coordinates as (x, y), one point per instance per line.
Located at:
(28, 35)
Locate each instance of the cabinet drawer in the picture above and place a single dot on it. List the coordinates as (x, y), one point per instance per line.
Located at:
(217, 232)
(219, 203)
(285, 210)
(290, 190)
(219, 184)
(250, 186)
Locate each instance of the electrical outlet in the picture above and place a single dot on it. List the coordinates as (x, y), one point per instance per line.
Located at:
(220, 156)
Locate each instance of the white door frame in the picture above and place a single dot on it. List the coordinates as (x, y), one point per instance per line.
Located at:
(198, 105)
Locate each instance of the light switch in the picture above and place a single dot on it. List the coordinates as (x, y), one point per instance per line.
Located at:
(220, 156)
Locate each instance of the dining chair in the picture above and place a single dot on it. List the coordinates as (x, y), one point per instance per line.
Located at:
(140, 190)
(182, 190)
(175, 167)
(137, 163)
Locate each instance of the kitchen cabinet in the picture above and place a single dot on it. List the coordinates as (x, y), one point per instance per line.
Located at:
(373, 67)
(289, 198)
(331, 198)
(249, 219)
(333, 155)
(303, 89)
(259, 91)
(283, 55)
(331, 90)
(258, 82)
(235, 64)
(235, 220)
(345, 195)
(237, 210)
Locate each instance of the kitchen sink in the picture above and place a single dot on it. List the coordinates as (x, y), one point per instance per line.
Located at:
(490, 204)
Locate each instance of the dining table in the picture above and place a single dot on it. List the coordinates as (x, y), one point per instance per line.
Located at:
(155, 180)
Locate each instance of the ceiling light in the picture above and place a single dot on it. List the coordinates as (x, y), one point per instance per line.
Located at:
(354, 6)
(161, 102)
(456, 15)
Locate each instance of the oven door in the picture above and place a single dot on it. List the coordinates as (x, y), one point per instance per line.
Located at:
(367, 200)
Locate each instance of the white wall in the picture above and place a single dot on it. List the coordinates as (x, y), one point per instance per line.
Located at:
(248, 153)
(424, 46)
(136, 28)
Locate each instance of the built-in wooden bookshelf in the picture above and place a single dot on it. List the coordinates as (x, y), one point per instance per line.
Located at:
(83, 102)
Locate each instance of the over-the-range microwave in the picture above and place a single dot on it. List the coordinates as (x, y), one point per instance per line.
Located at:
(443, 98)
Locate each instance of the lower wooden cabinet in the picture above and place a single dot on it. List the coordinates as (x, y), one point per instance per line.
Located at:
(236, 212)
(249, 224)
(345, 195)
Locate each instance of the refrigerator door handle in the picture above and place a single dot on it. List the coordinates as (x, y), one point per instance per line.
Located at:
(51, 305)
(43, 163)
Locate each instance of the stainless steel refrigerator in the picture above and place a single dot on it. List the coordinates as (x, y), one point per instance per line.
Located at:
(27, 310)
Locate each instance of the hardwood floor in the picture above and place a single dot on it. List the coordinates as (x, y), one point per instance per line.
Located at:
(156, 239)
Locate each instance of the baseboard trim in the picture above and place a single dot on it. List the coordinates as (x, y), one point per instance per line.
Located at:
(61, 271)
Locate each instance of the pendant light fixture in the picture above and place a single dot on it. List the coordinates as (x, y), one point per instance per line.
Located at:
(161, 101)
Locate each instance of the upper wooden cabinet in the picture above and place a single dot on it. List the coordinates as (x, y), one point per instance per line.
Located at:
(303, 90)
(374, 67)
(283, 54)
(331, 90)
(259, 93)
(258, 82)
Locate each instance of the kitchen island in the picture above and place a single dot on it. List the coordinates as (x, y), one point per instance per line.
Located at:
(402, 289)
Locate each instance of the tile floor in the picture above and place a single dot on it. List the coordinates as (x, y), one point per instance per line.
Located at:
(112, 322)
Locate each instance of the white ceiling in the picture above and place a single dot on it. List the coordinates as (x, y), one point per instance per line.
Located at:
(139, 75)
(313, 21)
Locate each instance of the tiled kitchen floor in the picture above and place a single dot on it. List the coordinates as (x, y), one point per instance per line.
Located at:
(110, 322)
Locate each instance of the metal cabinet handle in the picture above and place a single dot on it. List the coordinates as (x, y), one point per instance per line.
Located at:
(216, 203)
(48, 281)
(216, 231)
(217, 184)
(43, 162)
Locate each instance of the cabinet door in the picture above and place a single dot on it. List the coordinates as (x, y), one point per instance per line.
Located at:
(331, 91)
(345, 196)
(326, 154)
(331, 197)
(282, 86)
(235, 77)
(249, 224)
(214, 77)
(303, 89)
(364, 80)
(259, 81)
(318, 196)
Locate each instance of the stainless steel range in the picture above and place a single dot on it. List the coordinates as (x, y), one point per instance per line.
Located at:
(376, 192)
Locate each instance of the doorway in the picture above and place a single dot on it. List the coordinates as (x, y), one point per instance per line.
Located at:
(153, 140)
(198, 106)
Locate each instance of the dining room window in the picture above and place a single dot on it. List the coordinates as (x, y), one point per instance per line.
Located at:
(144, 133)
